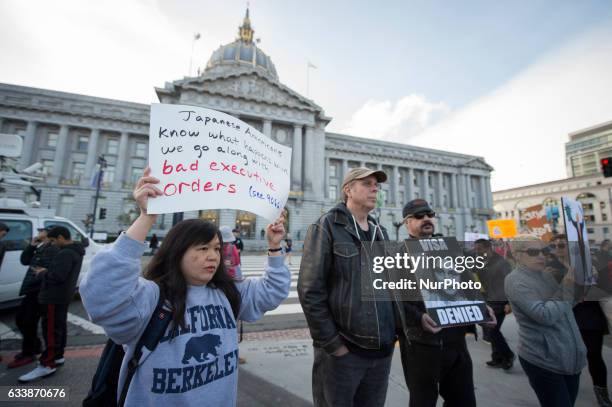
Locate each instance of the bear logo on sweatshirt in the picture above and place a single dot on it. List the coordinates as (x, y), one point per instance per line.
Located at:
(199, 347)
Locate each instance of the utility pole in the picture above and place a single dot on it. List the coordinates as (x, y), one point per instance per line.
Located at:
(98, 180)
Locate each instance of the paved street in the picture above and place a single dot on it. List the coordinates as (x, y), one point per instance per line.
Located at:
(279, 358)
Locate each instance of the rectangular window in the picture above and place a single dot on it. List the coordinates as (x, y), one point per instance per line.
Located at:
(112, 146)
(332, 170)
(52, 140)
(78, 170)
(82, 143)
(402, 197)
(47, 167)
(140, 150)
(65, 206)
(19, 235)
(135, 174)
(333, 192)
(109, 174)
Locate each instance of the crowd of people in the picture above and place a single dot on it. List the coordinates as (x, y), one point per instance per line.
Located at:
(560, 324)
(195, 273)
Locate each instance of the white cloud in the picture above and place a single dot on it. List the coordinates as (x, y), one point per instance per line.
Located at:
(395, 121)
(522, 127)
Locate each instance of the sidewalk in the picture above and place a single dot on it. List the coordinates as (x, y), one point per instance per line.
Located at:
(284, 358)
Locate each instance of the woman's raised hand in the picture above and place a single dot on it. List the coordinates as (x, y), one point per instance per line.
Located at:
(276, 231)
(145, 188)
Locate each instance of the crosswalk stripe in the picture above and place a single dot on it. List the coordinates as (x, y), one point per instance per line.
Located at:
(284, 309)
(6, 332)
(85, 324)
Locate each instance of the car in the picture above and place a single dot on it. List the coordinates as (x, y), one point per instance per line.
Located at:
(24, 222)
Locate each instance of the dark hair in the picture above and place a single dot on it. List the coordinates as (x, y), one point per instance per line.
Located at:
(486, 243)
(165, 267)
(58, 231)
(559, 236)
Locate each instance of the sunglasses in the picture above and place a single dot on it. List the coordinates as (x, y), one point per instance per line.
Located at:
(536, 252)
(557, 245)
(421, 215)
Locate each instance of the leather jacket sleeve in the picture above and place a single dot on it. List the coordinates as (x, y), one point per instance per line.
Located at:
(313, 291)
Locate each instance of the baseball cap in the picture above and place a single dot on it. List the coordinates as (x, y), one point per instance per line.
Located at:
(361, 173)
(416, 206)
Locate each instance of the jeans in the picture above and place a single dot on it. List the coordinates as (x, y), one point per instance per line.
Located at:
(27, 318)
(500, 349)
(349, 380)
(553, 389)
(432, 370)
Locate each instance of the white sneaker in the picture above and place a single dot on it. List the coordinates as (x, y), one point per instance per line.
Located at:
(38, 373)
(60, 361)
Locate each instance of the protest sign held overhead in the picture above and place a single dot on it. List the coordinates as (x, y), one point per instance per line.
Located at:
(577, 241)
(537, 222)
(502, 228)
(206, 159)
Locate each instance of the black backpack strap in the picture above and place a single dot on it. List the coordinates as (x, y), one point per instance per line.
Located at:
(150, 338)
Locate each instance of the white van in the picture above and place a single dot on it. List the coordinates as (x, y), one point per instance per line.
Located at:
(24, 223)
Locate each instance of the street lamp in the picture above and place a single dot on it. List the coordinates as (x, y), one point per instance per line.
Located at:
(98, 182)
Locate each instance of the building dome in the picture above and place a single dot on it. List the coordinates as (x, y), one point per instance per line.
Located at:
(242, 53)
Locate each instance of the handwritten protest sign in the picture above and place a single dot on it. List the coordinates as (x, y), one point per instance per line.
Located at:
(535, 219)
(207, 160)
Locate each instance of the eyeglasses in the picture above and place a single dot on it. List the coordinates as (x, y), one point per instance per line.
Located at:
(421, 215)
(536, 252)
(560, 245)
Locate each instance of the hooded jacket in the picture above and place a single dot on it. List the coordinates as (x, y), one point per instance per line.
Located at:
(35, 256)
(59, 281)
(329, 284)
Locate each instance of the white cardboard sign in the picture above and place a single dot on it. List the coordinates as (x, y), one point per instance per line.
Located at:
(206, 159)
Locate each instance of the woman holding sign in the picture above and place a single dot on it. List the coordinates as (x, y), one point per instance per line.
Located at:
(196, 360)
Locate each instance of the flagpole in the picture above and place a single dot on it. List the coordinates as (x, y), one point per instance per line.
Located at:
(195, 38)
(102, 165)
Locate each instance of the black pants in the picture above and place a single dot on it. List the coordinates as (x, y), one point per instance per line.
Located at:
(593, 340)
(438, 370)
(552, 389)
(26, 318)
(500, 349)
(349, 380)
(54, 328)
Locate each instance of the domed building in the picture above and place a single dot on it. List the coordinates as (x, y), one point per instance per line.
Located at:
(66, 133)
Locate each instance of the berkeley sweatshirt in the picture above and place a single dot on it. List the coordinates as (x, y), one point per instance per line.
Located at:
(199, 365)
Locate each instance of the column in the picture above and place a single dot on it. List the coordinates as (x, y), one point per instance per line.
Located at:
(296, 159)
(267, 127)
(410, 185)
(1, 123)
(483, 193)
(309, 159)
(425, 188)
(344, 170)
(454, 201)
(396, 186)
(468, 191)
(326, 179)
(362, 164)
(488, 192)
(92, 154)
(440, 189)
(122, 159)
(29, 138)
(60, 154)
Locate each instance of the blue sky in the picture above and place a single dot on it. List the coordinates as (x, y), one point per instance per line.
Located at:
(415, 65)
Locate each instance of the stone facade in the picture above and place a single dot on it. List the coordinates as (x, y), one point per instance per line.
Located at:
(67, 132)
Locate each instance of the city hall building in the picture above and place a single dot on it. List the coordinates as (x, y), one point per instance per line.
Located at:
(67, 133)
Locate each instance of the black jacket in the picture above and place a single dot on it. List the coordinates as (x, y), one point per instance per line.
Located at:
(329, 284)
(59, 281)
(35, 256)
(492, 277)
(414, 311)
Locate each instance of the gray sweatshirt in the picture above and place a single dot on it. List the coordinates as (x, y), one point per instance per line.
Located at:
(199, 365)
(548, 334)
